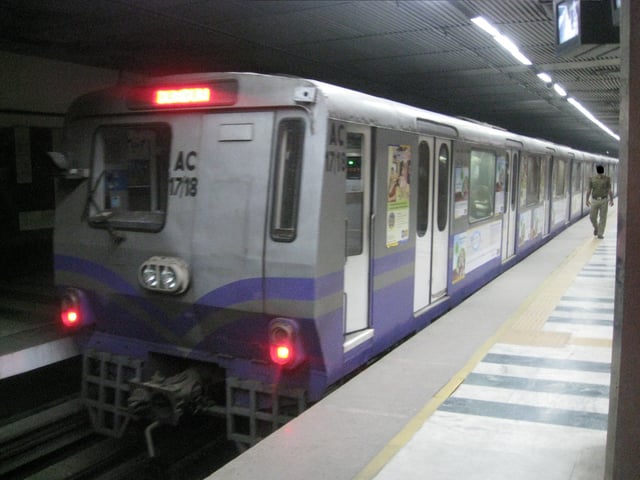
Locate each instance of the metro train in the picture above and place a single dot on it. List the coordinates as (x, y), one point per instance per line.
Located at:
(236, 244)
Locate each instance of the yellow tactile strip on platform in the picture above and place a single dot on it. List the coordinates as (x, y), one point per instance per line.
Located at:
(527, 323)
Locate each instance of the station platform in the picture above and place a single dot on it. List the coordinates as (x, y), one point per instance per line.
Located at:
(512, 383)
(31, 334)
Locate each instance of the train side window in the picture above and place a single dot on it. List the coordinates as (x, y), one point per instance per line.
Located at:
(577, 176)
(355, 194)
(534, 178)
(423, 189)
(131, 170)
(443, 187)
(481, 185)
(286, 184)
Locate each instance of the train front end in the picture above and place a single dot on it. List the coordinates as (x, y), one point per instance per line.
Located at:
(186, 256)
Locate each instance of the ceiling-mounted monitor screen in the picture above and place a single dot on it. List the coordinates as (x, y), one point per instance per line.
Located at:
(585, 26)
(568, 20)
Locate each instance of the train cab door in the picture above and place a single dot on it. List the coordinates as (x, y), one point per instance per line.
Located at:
(358, 232)
(511, 203)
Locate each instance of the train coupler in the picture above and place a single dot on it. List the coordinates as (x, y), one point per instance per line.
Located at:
(166, 399)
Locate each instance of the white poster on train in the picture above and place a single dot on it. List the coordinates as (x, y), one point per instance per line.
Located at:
(559, 211)
(530, 225)
(524, 227)
(398, 195)
(474, 248)
(537, 222)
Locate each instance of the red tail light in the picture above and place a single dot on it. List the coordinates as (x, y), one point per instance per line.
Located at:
(70, 318)
(281, 354)
(70, 309)
(283, 343)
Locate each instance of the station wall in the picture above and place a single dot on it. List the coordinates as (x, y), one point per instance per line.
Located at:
(34, 96)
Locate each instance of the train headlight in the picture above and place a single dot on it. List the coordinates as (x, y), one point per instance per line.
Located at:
(149, 276)
(169, 278)
(164, 274)
(285, 348)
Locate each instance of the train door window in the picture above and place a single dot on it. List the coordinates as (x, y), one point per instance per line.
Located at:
(576, 175)
(481, 185)
(534, 179)
(130, 177)
(507, 180)
(286, 184)
(560, 177)
(514, 180)
(423, 189)
(443, 187)
(355, 193)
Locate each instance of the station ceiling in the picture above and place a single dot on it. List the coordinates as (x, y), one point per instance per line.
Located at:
(425, 53)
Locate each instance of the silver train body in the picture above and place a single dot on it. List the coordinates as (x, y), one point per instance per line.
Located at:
(236, 243)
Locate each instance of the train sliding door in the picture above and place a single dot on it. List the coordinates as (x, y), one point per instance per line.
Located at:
(440, 256)
(424, 227)
(511, 203)
(356, 269)
(432, 230)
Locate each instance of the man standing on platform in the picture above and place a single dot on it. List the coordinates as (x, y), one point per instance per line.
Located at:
(599, 189)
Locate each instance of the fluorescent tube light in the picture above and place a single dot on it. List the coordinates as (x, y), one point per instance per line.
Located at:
(486, 26)
(545, 77)
(501, 39)
(511, 47)
(559, 90)
(590, 116)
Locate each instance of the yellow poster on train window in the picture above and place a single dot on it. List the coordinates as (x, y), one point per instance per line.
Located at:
(398, 194)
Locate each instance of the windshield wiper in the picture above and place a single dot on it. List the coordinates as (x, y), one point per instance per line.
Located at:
(103, 217)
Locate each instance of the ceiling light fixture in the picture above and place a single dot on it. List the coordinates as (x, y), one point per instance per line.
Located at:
(576, 104)
(504, 42)
(559, 90)
(508, 45)
(545, 77)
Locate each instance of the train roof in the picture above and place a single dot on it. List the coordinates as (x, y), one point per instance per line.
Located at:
(340, 103)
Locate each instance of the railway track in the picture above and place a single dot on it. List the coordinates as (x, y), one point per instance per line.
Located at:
(57, 443)
(45, 432)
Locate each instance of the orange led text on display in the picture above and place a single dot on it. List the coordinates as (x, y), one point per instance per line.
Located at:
(183, 96)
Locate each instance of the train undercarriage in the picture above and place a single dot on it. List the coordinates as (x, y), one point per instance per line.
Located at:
(118, 390)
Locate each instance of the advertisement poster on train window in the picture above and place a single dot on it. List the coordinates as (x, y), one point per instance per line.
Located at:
(474, 248)
(398, 194)
(530, 225)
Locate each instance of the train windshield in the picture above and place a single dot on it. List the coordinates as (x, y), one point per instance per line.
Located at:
(130, 177)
